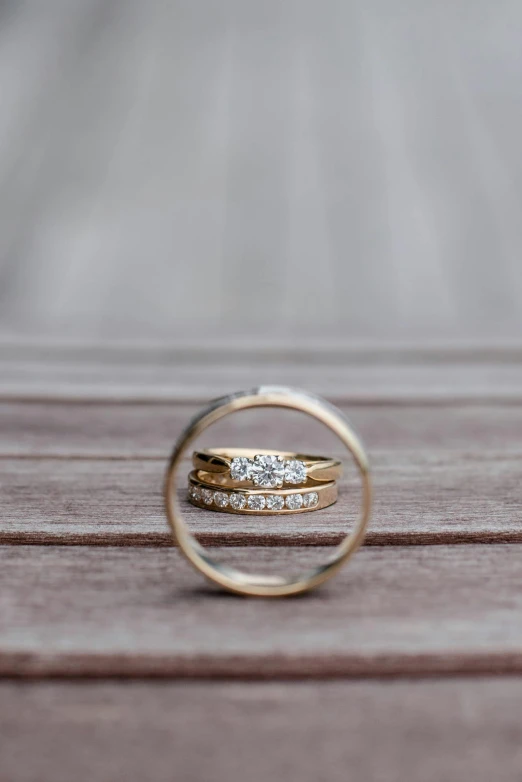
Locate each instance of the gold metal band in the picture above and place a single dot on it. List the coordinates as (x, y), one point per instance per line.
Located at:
(229, 577)
(224, 481)
(317, 469)
(205, 492)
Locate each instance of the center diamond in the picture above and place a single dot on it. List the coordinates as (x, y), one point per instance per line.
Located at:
(268, 471)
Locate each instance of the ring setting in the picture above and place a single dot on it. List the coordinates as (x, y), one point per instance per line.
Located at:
(242, 480)
(268, 471)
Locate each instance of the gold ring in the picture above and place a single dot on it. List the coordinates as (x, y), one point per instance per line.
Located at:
(205, 492)
(267, 469)
(229, 577)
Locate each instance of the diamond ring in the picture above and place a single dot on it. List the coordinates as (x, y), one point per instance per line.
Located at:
(204, 493)
(211, 485)
(267, 469)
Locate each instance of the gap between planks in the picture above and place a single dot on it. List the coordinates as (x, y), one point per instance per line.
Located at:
(234, 540)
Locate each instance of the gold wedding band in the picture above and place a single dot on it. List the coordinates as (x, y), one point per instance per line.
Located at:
(229, 577)
(205, 491)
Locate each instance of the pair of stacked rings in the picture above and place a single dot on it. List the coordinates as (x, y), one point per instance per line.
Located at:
(243, 480)
(226, 472)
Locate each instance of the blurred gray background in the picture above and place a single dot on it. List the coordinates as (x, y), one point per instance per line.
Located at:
(261, 169)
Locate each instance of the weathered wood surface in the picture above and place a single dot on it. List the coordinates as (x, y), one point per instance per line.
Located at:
(91, 472)
(81, 611)
(401, 381)
(420, 497)
(442, 474)
(107, 430)
(432, 731)
(375, 137)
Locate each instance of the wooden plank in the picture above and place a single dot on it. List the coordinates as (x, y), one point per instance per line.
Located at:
(71, 611)
(400, 731)
(420, 497)
(424, 381)
(149, 430)
(211, 347)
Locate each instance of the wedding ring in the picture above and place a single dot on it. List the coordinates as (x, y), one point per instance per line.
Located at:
(230, 577)
(205, 492)
(265, 468)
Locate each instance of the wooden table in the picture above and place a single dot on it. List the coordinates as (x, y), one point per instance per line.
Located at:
(264, 183)
(119, 662)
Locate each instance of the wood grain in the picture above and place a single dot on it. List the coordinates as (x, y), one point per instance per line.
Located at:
(179, 168)
(75, 611)
(488, 381)
(437, 731)
(420, 497)
(98, 429)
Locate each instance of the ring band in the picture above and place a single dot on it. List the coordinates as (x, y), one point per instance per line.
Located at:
(204, 492)
(229, 577)
(267, 469)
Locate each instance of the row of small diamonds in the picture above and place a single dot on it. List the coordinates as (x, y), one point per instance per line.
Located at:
(255, 501)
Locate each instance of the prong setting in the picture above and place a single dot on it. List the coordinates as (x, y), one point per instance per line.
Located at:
(240, 468)
(268, 471)
(295, 471)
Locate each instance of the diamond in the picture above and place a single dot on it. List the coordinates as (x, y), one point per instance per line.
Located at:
(275, 502)
(207, 496)
(240, 468)
(237, 501)
(221, 499)
(268, 471)
(295, 471)
(294, 501)
(310, 500)
(195, 493)
(256, 502)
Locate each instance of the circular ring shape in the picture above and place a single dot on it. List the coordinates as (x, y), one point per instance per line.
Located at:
(228, 577)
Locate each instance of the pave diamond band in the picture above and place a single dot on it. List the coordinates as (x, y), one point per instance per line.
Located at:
(205, 494)
(266, 469)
